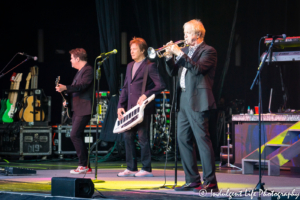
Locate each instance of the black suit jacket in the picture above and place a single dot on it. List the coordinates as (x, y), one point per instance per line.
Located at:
(199, 78)
(132, 88)
(82, 91)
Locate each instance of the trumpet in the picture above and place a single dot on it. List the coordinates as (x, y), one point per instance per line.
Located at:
(161, 52)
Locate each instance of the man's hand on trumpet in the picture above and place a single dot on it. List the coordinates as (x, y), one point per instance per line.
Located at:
(167, 53)
(172, 48)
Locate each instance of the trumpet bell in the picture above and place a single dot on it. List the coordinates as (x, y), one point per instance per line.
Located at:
(151, 53)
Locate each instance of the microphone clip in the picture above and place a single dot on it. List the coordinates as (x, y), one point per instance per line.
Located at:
(101, 55)
(102, 61)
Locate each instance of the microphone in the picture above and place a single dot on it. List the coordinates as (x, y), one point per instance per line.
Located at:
(108, 53)
(276, 36)
(28, 56)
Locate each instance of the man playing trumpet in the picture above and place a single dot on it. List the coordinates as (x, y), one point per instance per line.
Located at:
(195, 66)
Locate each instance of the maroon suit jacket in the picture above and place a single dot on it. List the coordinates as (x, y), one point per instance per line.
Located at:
(199, 78)
(82, 91)
(132, 88)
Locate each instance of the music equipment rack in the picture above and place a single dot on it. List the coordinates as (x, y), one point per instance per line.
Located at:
(19, 140)
(62, 144)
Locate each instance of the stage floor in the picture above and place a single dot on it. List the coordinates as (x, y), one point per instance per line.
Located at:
(114, 187)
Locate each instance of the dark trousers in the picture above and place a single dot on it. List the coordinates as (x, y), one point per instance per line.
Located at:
(143, 130)
(77, 137)
(193, 127)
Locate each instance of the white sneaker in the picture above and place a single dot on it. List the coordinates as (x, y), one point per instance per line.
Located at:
(143, 173)
(79, 170)
(127, 173)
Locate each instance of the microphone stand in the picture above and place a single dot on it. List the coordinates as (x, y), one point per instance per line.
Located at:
(260, 185)
(98, 77)
(175, 132)
(1, 75)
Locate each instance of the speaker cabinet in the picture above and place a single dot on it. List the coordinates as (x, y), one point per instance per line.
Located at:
(72, 187)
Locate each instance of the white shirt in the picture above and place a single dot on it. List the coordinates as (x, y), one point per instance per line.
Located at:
(192, 50)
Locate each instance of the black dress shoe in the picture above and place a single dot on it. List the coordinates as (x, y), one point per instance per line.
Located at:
(208, 186)
(187, 187)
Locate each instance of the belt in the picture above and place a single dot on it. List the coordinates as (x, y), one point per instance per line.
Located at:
(183, 90)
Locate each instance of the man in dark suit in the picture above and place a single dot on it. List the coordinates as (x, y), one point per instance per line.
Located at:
(195, 66)
(81, 91)
(133, 94)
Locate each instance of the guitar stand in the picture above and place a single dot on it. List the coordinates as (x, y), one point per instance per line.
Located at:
(38, 96)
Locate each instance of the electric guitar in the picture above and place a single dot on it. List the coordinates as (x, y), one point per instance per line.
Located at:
(25, 96)
(66, 98)
(11, 103)
(32, 112)
(3, 101)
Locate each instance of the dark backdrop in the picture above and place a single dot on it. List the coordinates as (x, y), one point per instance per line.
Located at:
(69, 24)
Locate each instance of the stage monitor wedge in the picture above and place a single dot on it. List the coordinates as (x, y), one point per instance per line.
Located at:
(72, 187)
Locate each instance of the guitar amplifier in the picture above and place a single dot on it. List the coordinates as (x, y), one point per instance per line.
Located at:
(26, 141)
(62, 143)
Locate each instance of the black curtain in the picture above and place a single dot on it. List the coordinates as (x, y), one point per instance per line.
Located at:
(161, 21)
(108, 23)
